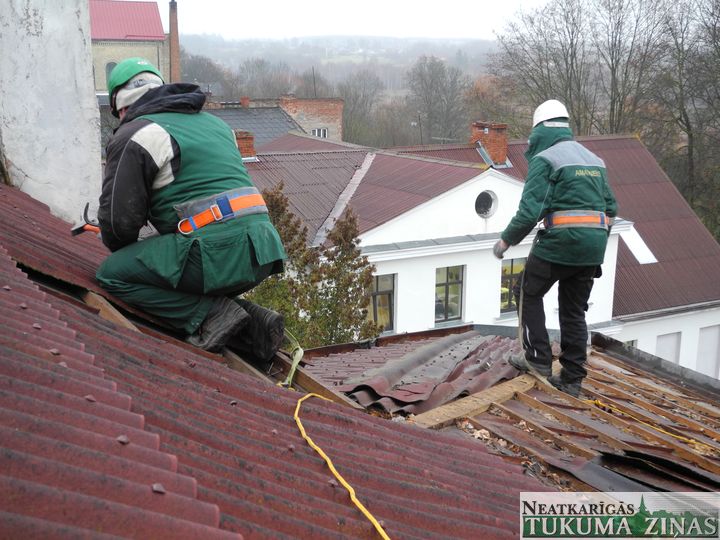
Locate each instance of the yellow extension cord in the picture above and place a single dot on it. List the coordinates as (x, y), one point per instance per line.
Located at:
(337, 475)
(605, 406)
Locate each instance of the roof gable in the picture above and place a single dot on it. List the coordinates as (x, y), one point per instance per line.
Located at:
(117, 20)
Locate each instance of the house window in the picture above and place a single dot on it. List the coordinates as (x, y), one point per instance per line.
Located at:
(320, 132)
(382, 303)
(632, 343)
(448, 293)
(512, 269)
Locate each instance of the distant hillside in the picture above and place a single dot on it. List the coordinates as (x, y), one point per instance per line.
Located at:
(336, 57)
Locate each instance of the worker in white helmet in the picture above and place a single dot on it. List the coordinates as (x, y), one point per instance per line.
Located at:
(567, 189)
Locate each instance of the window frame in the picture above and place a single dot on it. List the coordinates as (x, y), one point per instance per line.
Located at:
(320, 133)
(376, 293)
(445, 300)
(507, 283)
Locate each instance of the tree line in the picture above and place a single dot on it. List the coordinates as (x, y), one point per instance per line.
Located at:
(650, 68)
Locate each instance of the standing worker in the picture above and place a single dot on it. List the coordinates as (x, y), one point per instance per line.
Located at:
(566, 187)
(170, 164)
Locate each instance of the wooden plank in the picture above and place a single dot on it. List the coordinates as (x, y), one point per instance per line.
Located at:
(569, 420)
(546, 434)
(235, 362)
(632, 384)
(627, 395)
(306, 381)
(475, 404)
(107, 310)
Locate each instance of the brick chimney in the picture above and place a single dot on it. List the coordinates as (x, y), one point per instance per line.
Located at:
(175, 75)
(493, 137)
(246, 143)
(245, 102)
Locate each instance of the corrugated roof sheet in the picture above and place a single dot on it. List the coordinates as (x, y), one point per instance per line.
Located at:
(117, 20)
(415, 376)
(295, 142)
(395, 184)
(125, 433)
(265, 123)
(313, 181)
(456, 152)
(635, 428)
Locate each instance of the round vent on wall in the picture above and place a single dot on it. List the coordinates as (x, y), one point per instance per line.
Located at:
(486, 204)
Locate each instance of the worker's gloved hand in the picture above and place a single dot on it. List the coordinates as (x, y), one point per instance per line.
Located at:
(500, 247)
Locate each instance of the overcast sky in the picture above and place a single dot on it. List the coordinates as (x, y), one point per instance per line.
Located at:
(235, 19)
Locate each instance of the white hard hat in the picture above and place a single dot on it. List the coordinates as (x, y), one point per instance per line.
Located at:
(552, 108)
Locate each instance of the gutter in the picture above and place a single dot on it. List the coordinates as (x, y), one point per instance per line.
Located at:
(667, 312)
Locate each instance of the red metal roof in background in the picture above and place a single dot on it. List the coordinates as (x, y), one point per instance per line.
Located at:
(395, 184)
(313, 181)
(294, 142)
(94, 416)
(117, 20)
(456, 152)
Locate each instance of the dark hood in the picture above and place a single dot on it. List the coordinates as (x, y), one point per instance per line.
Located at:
(177, 97)
(543, 137)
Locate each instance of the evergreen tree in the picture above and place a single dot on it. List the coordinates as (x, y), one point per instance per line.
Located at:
(324, 293)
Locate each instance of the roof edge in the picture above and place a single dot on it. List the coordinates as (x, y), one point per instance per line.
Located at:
(663, 312)
(655, 364)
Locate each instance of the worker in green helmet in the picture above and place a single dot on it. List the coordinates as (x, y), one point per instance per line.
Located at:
(567, 190)
(173, 166)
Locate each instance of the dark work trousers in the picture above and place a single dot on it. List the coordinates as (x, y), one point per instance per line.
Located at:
(574, 286)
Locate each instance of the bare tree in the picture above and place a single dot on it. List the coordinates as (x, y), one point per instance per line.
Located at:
(311, 84)
(261, 79)
(627, 39)
(438, 92)
(360, 92)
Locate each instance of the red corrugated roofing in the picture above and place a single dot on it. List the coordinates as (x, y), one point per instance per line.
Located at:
(107, 430)
(456, 152)
(415, 376)
(117, 20)
(395, 184)
(313, 181)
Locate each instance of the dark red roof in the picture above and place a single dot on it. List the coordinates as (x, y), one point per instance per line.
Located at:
(131, 434)
(117, 20)
(395, 184)
(688, 256)
(313, 181)
(456, 152)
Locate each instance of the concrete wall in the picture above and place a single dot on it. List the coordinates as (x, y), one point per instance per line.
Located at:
(694, 354)
(49, 120)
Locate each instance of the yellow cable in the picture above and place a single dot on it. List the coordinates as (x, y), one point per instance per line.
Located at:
(347, 486)
(686, 440)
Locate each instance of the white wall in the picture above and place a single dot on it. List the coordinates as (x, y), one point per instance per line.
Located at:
(693, 352)
(49, 119)
(415, 284)
(452, 213)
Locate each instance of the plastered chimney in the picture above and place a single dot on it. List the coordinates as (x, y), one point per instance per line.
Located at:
(493, 137)
(175, 75)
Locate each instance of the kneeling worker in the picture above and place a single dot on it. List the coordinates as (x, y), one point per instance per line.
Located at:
(170, 164)
(567, 188)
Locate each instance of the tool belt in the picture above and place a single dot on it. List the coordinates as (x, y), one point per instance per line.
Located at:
(576, 218)
(221, 207)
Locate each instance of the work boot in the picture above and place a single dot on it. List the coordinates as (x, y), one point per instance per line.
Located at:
(224, 319)
(264, 334)
(521, 363)
(570, 388)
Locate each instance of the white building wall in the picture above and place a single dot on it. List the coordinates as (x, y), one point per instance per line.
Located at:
(689, 326)
(49, 119)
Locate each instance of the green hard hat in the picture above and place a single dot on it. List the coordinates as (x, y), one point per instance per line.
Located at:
(123, 72)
